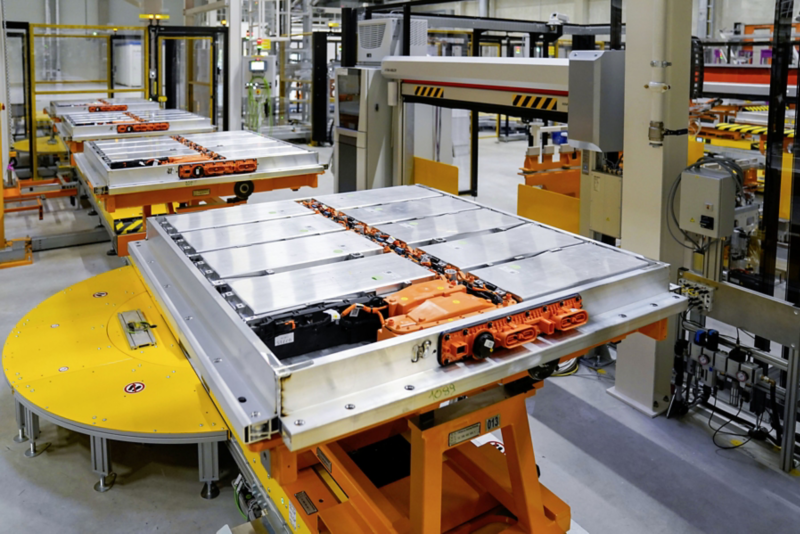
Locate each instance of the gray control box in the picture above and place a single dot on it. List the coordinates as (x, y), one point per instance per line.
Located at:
(708, 202)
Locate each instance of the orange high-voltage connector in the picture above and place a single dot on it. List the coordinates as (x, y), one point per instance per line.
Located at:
(430, 303)
(217, 168)
(100, 109)
(479, 341)
(143, 127)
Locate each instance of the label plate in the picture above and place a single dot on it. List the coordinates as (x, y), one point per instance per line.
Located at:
(465, 434)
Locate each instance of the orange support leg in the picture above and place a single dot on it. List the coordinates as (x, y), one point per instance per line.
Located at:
(511, 479)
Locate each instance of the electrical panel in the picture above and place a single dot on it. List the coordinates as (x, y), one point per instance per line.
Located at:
(708, 202)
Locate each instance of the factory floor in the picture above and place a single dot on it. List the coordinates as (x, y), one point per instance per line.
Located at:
(620, 471)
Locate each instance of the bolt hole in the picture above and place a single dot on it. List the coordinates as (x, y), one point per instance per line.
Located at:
(653, 304)
(242, 399)
(623, 315)
(322, 500)
(217, 360)
(410, 387)
(299, 422)
(350, 406)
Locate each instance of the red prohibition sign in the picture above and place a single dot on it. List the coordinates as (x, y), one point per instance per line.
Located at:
(134, 387)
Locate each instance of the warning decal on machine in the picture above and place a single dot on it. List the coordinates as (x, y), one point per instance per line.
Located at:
(284, 339)
(292, 515)
(464, 434)
(134, 387)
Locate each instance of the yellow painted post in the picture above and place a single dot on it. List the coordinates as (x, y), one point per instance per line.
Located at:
(32, 103)
(786, 187)
(696, 150)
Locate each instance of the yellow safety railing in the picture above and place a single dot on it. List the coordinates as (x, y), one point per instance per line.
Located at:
(34, 86)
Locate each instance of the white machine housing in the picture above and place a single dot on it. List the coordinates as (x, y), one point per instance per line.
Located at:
(379, 38)
(363, 130)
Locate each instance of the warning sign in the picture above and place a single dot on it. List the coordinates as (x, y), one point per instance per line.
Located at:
(100, 294)
(134, 387)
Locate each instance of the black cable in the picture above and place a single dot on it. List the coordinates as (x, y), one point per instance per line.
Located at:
(671, 202)
(719, 430)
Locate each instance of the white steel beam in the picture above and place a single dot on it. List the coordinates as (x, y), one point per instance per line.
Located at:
(644, 367)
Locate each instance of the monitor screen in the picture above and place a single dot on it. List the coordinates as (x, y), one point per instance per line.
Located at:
(258, 65)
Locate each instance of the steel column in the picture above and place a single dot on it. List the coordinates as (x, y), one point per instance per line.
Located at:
(474, 119)
(644, 367)
(793, 263)
(19, 412)
(616, 25)
(790, 410)
(350, 36)
(101, 464)
(779, 78)
(406, 30)
(319, 87)
(32, 430)
(208, 464)
(233, 67)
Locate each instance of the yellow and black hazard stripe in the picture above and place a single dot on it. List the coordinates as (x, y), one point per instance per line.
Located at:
(756, 108)
(749, 129)
(128, 226)
(429, 91)
(535, 102)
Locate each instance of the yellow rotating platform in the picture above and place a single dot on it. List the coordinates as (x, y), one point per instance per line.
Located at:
(70, 361)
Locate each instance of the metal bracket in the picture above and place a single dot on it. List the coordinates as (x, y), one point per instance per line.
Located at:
(137, 329)
(660, 64)
(421, 350)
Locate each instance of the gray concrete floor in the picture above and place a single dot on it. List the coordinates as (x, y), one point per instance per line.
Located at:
(621, 472)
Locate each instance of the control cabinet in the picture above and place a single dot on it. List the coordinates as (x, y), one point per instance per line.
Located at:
(708, 202)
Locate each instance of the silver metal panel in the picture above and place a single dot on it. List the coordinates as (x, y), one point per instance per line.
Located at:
(486, 249)
(372, 197)
(103, 125)
(134, 165)
(383, 273)
(58, 108)
(766, 316)
(422, 231)
(245, 213)
(413, 209)
(261, 232)
(289, 255)
(559, 270)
